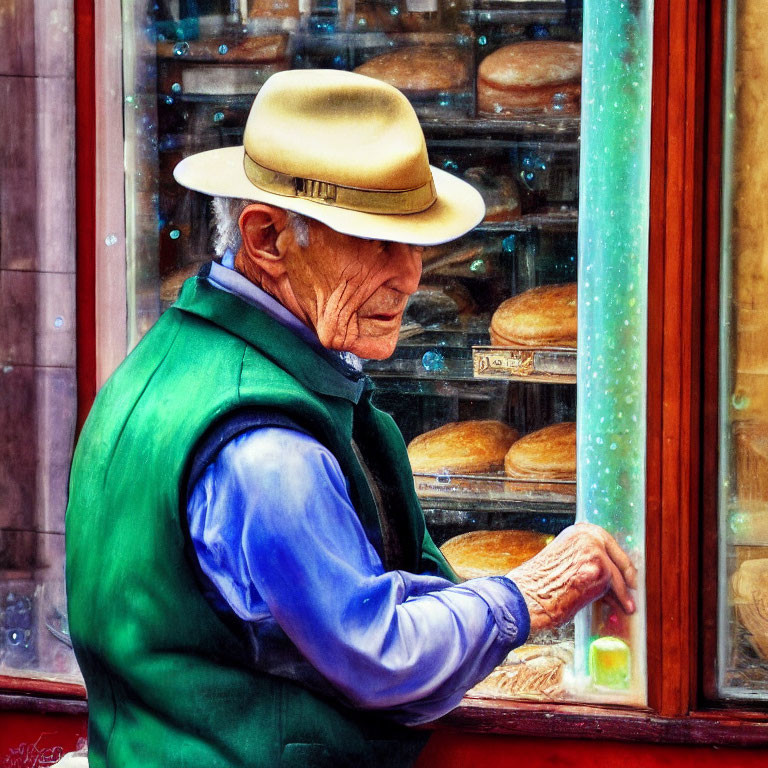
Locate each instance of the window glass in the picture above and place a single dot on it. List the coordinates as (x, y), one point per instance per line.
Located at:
(465, 362)
(38, 400)
(743, 620)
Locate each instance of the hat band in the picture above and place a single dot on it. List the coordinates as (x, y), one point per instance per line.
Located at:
(365, 200)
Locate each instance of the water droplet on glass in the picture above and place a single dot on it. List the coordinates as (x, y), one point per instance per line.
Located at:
(738, 522)
(558, 102)
(508, 244)
(181, 49)
(223, 49)
(168, 100)
(174, 234)
(129, 99)
(613, 446)
(451, 166)
(477, 267)
(58, 322)
(218, 117)
(176, 88)
(739, 401)
(110, 240)
(394, 11)
(482, 40)
(433, 361)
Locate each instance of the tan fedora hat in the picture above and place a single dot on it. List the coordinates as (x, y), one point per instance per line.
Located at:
(344, 149)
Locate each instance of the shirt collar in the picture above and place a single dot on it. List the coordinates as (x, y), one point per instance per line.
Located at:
(225, 277)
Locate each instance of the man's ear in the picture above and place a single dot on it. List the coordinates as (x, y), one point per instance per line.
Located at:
(260, 226)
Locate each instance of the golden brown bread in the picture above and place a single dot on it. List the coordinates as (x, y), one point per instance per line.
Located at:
(543, 316)
(533, 63)
(419, 70)
(462, 447)
(556, 100)
(492, 553)
(531, 76)
(532, 671)
(547, 454)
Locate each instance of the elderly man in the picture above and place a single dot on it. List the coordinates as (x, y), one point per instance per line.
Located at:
(250, 580)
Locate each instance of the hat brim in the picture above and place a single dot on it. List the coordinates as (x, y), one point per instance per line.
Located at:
(458, 208)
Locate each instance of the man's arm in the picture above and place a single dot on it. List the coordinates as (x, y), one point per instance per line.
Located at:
(276, 533)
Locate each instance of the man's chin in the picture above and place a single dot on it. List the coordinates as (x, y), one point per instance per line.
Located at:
(374, 348)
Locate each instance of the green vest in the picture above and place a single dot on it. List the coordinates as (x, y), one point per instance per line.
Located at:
(170, 681)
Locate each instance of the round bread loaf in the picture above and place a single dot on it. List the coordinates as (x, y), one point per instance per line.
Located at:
(547, 454)
(532, 76)
(419, 70)
(462, 447)
(492, 553)
(543, 316)
(532, 64)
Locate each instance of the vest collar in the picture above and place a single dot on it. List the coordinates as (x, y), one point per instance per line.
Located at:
(316, 369)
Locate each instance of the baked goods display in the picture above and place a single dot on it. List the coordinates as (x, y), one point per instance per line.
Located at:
(750, 445)
(531, 77)
(540, 317)
(749, 587)
(500, 194)
(465, 447)
(546, 454)
(420, 70)
(531, 671)
(439, 304)
(492, 553)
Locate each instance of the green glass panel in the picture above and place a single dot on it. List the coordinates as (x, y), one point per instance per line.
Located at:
(613, 263)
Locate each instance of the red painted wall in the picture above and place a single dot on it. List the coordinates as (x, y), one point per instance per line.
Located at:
(32, 741)
(463, 750)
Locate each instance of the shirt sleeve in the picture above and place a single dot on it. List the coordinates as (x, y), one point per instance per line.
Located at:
(275, 531)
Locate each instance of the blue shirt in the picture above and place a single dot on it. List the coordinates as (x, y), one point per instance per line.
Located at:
(281, 546)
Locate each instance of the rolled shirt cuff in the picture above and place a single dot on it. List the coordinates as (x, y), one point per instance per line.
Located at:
(507, 605)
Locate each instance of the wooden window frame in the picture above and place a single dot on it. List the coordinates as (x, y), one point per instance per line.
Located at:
(683, 328)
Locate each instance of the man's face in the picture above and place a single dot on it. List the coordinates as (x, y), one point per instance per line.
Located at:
(351, 291)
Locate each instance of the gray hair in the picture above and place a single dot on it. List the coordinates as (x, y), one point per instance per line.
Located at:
(226, 225)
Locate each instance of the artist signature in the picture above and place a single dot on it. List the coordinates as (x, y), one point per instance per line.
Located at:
(32, 756)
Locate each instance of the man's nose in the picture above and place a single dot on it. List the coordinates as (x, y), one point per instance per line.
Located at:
(405, 261)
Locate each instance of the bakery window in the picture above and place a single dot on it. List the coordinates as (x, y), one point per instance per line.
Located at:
(742, 670)
(497, 378)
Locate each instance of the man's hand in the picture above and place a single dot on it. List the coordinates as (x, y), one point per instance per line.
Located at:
(582, 564)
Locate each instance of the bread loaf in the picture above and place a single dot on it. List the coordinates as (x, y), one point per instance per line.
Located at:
(462, 447)
(420, 70)
(531, 77)
(547, 454)
(492, 553)
(543, 316)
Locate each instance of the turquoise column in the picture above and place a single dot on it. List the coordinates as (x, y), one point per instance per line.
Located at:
(613, 265)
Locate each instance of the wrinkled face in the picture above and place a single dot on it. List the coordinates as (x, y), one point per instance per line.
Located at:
(351, 291)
